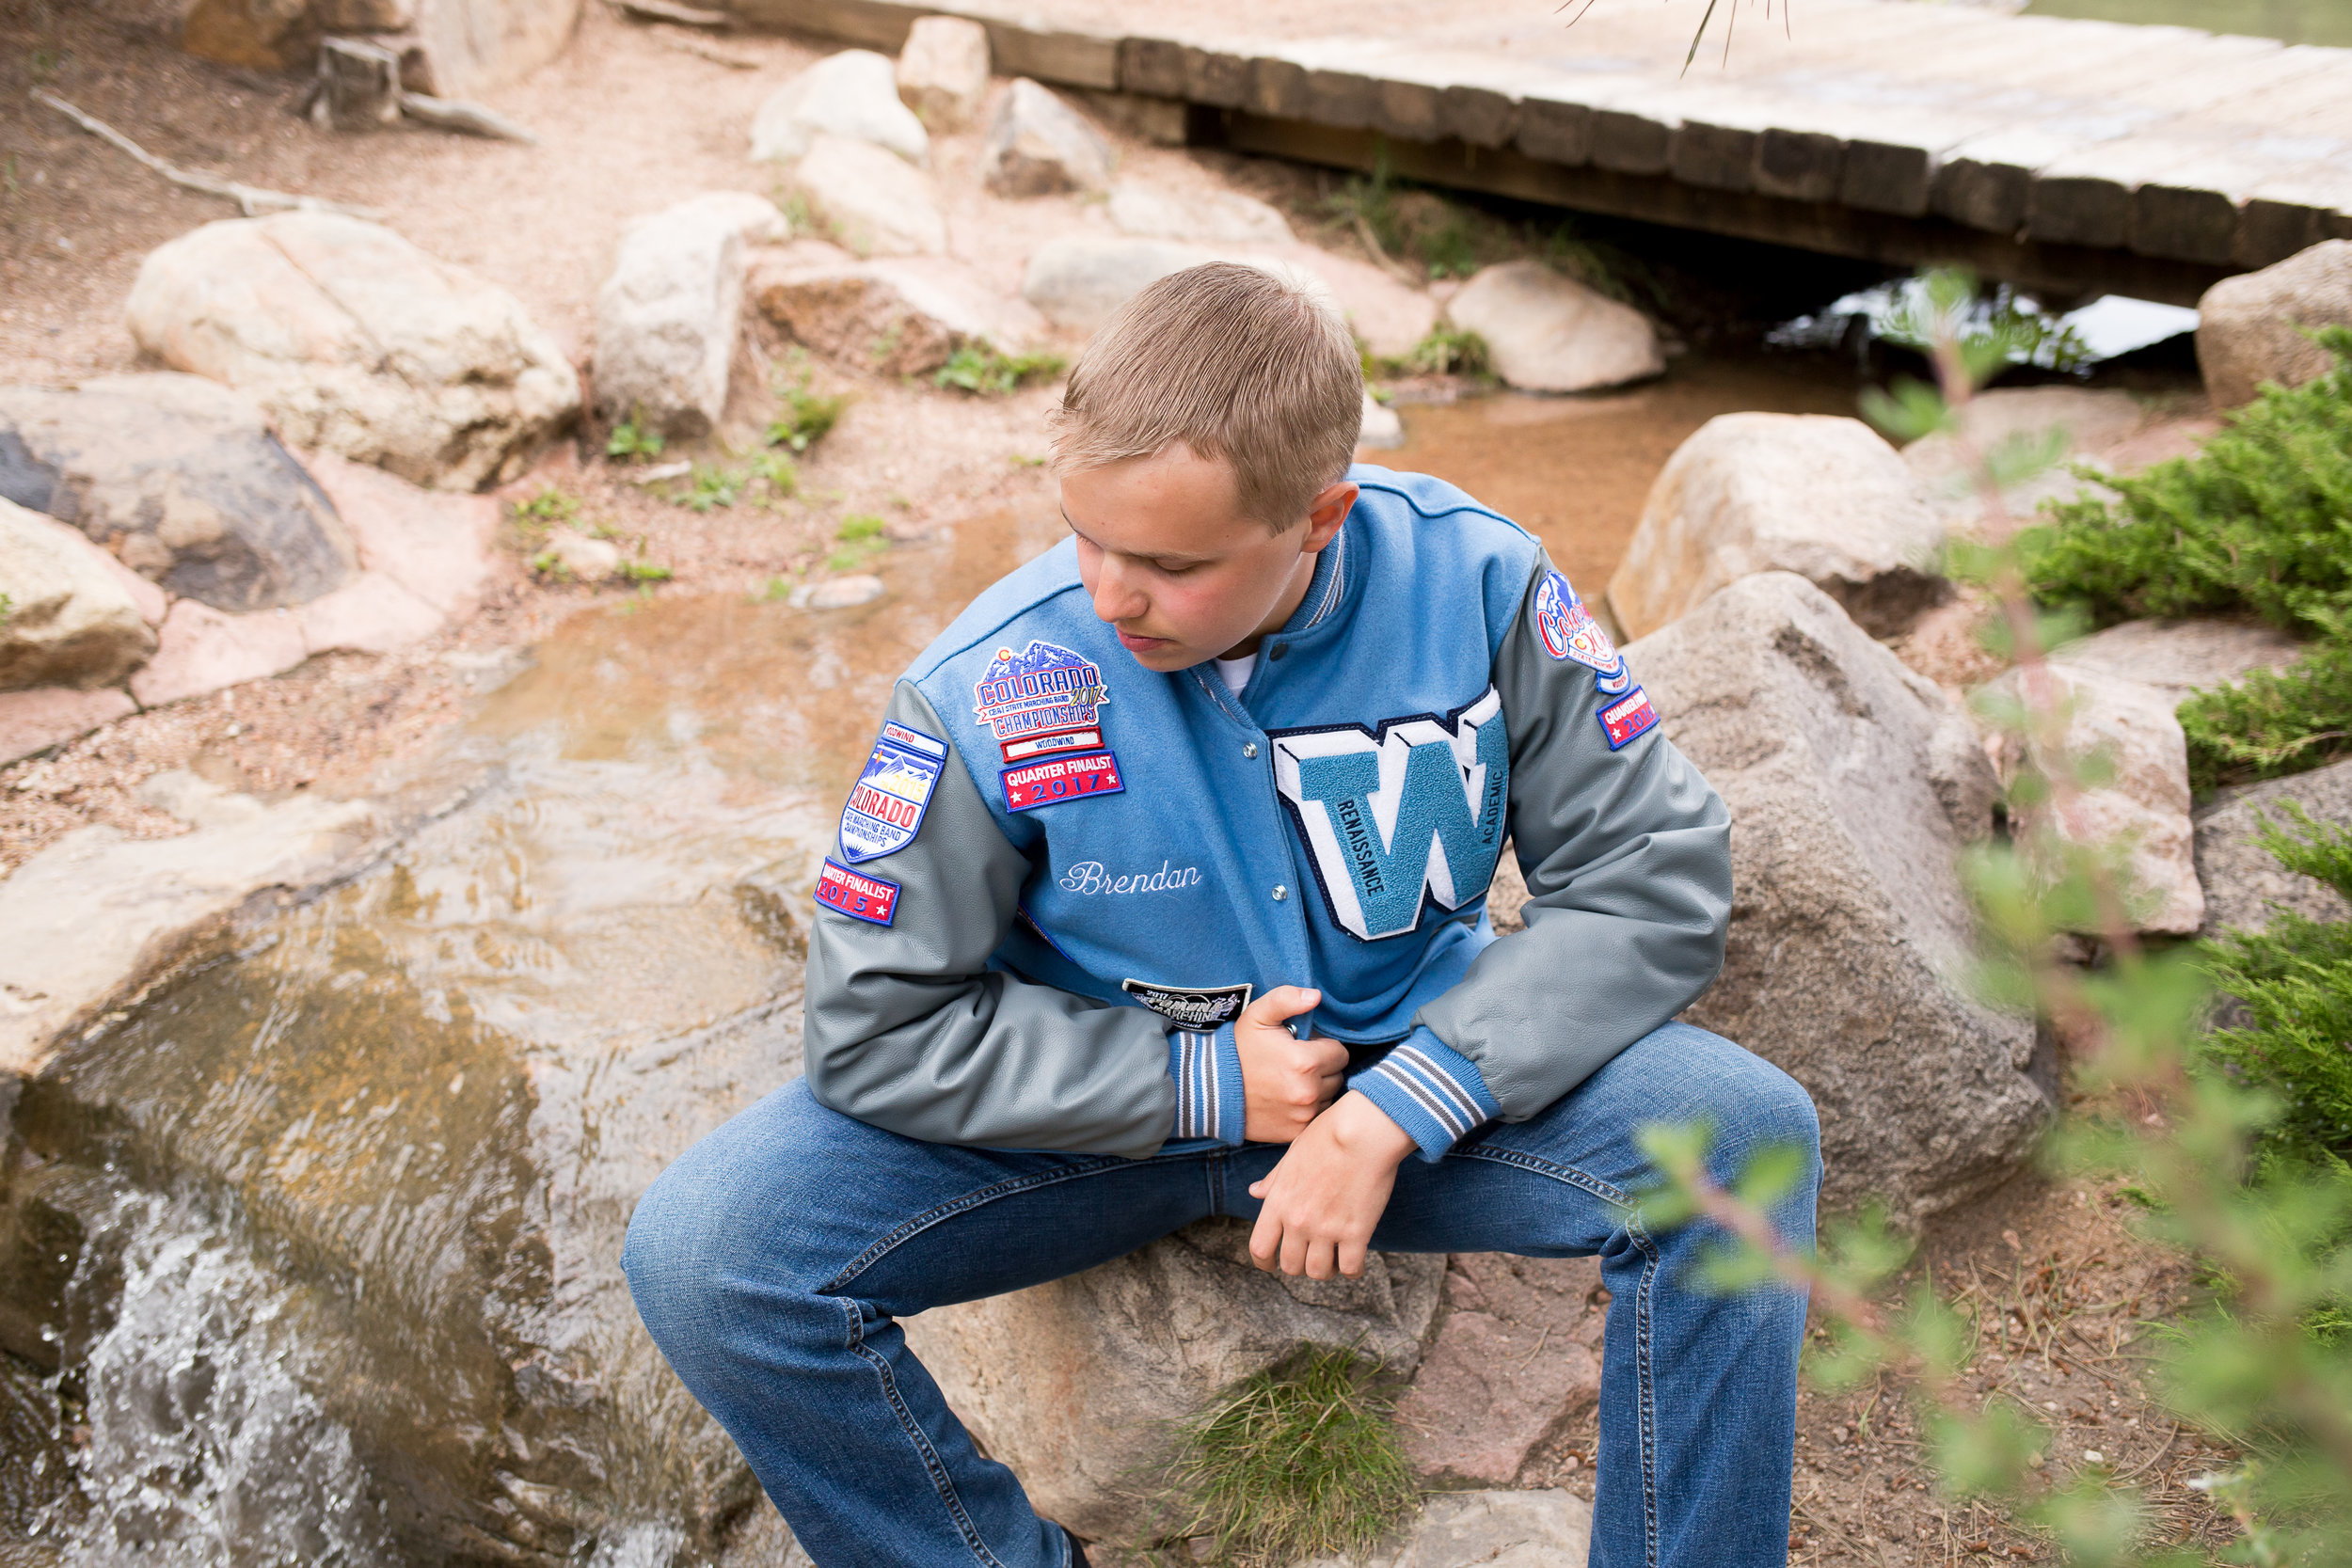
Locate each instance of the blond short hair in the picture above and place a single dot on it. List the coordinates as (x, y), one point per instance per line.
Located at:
(1246, 365)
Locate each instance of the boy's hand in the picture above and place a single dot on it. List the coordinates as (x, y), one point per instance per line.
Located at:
(1286, 1081)
(1327, 1192)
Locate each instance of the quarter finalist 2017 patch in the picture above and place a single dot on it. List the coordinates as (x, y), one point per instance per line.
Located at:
(860, 897)
(1044, 707)
(1059, 779)
(1627, 719)
(1568, 631)
(886, 804)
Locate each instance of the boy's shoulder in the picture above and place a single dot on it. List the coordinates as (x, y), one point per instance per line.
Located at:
(1414, 497)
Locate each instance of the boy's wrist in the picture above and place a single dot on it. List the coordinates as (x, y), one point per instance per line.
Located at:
(1360, 1129)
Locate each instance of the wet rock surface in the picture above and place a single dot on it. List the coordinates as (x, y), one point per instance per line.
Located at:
(2243, 885)
(1546, 333)
(68, 621)
(1852, 785)
(1818, 495)
(1149, 1338)
(2256, 326)
(354, 339)
(183, 480)
(667, 318)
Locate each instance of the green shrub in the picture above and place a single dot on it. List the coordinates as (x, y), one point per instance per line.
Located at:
(1446, 351)
(2260, 520)
(1297, 1462)
(2294, 980)
(806, 415)
(980, 368)
(631, 439)
(860, 536)
(645, 571)
(2274, 723)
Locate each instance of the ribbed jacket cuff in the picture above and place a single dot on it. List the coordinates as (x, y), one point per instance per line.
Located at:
(1207, 1069)
(1431, 1090)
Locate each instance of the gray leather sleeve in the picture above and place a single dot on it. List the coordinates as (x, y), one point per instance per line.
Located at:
(910, 1030)
(1627, 858)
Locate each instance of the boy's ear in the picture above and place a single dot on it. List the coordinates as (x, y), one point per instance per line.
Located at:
(1331, 508)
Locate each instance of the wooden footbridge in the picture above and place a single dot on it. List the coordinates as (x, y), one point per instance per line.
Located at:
(2078, 157)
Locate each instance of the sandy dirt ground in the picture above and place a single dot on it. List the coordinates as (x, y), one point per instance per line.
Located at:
(2066, 1297)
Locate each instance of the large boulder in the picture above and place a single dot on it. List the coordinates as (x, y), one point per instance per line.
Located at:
(668, 316)
(2244, 885)
(2083, 425)
(1853, 785)
(1814, 494)
(1037, 145)
(2255, 328)
(1075, 1384)
(455, 48)
(2141, 804)
(1546, 333)
(67, 620)
(352, 339)
(1079, 280)
(181, 479)
(852, 95)
(902, 316)
(1518, 1356)
(2181, 657)
(943, 71)
(872, 201)
(1207, 217)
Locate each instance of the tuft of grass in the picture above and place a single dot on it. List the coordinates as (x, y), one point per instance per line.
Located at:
(549, 508)
(631, 440)
(1297, 1462)
(2260, 522)
(860, 537)
(1446, 351)
(806, 415)
(8, 608)
(711, 486)
(981, 369)
(645, 571)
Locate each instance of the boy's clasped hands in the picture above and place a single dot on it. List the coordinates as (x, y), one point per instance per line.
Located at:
(1326, 1196)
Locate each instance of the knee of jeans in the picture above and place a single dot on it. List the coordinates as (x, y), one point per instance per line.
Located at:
(1770, 1110)
(686, 1251)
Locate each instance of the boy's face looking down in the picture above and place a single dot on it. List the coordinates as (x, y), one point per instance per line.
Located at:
(1176, 569)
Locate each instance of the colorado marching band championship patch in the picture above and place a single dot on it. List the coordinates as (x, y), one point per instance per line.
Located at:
(1058, 779)
(1629, 717)
(860, 897)
(1194, 1006)
(1040, 690)
(1569, 631)
(886, 804)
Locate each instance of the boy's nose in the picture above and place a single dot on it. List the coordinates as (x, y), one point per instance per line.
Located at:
(1115, 599)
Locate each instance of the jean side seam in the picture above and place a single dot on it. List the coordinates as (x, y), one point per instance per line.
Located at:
(1552, 1168)
(940, 1481)
(1645, 1302)
(1011, 1185)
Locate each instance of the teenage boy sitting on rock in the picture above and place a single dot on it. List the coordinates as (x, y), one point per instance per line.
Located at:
(1164, 896)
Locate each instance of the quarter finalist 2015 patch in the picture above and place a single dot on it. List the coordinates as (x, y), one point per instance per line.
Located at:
(1059, 779)
(886, 804)
(859, 896)
(1628, 718)
(1568, 631)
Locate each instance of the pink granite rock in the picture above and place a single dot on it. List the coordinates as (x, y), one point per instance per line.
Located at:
(201, 650)
(371, 614)
(49, 715)
(1519, 1353)
(434, 544)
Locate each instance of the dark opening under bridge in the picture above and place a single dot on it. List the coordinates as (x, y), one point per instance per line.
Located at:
(2077, 157)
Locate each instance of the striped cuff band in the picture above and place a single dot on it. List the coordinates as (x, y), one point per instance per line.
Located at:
(1431, 1090)
(1207, 1069)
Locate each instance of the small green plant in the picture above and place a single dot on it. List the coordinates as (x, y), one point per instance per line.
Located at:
(1297, 1462)
(645, 571)
(777, 588)
(860, 537)
(711, 486)
(8, 608)
(631, 440)
(806, 415)
(2273, 723)
(775, 473)
(799, 217)
(549, 508)
(1446, 351)
(548, 563)
(1023, 460)
(981, 369)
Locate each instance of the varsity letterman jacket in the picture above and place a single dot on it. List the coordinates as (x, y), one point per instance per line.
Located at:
(1062, 876)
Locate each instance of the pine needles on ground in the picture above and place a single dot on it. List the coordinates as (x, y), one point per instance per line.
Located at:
(1294, 1462)
(2258, 522)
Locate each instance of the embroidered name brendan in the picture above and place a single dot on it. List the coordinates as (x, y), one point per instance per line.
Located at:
(1088, 877)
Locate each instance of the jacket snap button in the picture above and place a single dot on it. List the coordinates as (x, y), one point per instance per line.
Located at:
(1279, 650)
(1280, 892)
(1249, 748)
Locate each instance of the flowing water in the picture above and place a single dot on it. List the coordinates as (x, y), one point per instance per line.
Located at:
(317, 1241)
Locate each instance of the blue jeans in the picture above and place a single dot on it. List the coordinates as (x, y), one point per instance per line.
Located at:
(771, 1262)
